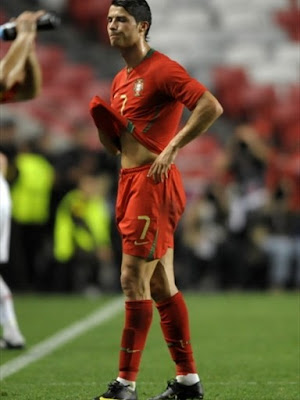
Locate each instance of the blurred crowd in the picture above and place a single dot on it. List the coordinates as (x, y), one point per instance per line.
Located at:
(239, 232)
(243, 231)
(62, 230)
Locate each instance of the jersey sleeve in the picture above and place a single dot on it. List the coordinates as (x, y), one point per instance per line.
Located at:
(178, 84)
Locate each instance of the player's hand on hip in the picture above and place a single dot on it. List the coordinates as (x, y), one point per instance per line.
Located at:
(160, 168)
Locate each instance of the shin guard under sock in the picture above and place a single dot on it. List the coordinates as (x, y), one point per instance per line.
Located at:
(174, 323)
(138, 318)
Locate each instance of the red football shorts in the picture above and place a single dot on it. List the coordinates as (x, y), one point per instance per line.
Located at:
(147, 213)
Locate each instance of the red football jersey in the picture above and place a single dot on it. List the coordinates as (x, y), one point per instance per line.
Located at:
(152, 97)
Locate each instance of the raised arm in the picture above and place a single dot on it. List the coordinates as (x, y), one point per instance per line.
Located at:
(20, 65)
(207, 110)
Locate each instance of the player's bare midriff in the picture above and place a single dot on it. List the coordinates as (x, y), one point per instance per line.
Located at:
(134, 154)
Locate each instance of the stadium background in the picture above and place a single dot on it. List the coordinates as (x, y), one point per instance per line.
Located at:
(241, 226)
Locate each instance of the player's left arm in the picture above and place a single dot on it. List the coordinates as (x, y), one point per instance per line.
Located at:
(206, 112)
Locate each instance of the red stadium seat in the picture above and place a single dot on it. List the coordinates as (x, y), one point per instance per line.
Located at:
(284, 115)
(226, 78)
(289, 21)
(229, 83)
(258, 101)
(3, 17)
(74, 76)
(99, 88)
(290, 138)
(197, 163)
(293, 94)
(205, 145)
(51, 58)
(88, 12)
(263, 127)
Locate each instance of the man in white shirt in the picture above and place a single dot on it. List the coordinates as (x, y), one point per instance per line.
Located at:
(12, 337)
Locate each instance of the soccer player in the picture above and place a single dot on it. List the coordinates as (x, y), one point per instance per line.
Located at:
(20, 72)
(12, 337)
(148, 95)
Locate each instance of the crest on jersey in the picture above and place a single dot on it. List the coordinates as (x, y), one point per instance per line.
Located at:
(138, 87)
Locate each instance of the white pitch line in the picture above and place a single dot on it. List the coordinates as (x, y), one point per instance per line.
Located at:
(47, 346)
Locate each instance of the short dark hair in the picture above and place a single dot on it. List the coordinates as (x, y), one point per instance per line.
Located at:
(139, 9)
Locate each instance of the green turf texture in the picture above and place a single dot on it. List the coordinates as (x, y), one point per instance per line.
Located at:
(246, 347)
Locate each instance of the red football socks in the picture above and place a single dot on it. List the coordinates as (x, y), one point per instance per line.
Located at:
(138, 318)
(174, 323)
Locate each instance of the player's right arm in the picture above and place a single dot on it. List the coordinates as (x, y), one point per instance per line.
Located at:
(20, 65)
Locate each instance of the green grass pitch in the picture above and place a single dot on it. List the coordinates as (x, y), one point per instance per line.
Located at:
(246, 347)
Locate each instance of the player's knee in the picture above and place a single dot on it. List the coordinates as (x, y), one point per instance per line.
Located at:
(127, 283)
(133, 285)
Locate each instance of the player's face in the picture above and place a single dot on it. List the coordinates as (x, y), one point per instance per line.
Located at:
(123, 30)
